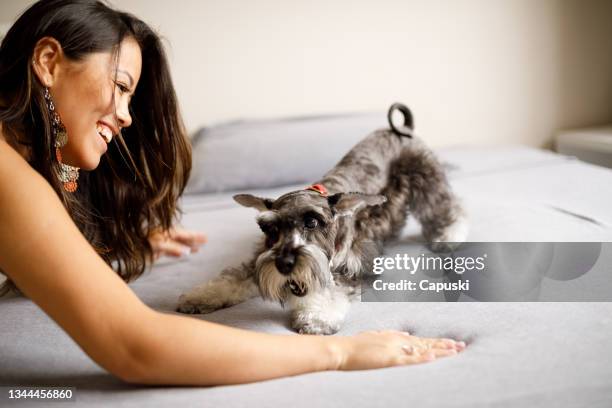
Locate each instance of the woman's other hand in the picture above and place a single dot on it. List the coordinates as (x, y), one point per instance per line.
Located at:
(176, 242)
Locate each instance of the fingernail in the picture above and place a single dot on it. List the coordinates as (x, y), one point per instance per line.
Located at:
(186, 251)
(461, 344)
(405, 333)
(408, 349)
(430, 356)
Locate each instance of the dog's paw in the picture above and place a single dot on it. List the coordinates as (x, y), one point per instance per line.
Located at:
(306, 323)
(190, 307)
(318, 328)
(198, 301)
(443, 246)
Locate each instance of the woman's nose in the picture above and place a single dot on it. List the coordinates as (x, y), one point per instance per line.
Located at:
(123, 115)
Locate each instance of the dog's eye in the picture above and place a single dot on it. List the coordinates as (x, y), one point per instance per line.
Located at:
(268, 229)
(271, 233)
(311, 222)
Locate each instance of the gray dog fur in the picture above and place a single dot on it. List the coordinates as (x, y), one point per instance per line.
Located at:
(317, 247)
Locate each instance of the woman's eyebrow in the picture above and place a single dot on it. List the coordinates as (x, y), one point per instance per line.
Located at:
(128, 75)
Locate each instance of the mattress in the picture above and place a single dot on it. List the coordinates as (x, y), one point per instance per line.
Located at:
(536, 354)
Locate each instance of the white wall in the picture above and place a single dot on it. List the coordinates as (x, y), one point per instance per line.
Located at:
(473, 71)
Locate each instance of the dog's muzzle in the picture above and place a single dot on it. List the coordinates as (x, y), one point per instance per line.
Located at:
(298, 271)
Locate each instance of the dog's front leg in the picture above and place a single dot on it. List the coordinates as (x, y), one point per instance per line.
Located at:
(232, 286)
(320, 312)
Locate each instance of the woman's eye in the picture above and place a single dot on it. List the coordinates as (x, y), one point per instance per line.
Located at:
(311, 222)
(122, 88)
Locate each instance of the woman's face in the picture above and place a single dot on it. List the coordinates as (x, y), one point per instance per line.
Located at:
(83, 95)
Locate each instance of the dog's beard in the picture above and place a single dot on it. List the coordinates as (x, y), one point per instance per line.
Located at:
(310, 273)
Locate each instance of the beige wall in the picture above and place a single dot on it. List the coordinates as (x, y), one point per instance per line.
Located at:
(473, 71)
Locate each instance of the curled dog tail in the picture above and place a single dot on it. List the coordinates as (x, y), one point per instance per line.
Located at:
(405, 130)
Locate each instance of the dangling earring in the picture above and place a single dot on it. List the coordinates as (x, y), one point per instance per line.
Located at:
(68, 174)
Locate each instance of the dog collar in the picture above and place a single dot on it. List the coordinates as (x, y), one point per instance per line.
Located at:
(319, 188)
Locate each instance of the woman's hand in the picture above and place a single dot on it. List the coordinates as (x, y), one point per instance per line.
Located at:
(377, 349)
(175, 242)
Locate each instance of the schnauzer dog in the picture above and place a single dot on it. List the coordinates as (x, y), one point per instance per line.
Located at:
(320, 242)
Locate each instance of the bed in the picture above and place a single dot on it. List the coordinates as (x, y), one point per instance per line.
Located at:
(545, 354)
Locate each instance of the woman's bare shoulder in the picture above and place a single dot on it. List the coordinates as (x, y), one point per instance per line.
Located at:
(15, 169)
(41, 249)
(45, 255)
(26, 198)
(9, 155)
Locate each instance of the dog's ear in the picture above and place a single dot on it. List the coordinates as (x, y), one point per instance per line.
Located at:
(350, 203)
(259, 203)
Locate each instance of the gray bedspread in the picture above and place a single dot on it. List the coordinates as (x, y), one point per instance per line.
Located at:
(518, 354)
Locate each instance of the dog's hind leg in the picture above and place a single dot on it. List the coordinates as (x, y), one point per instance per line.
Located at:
(418, 184)
(232, 286)
(431, 200)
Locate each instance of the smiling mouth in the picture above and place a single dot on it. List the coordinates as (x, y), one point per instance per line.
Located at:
(105, 133)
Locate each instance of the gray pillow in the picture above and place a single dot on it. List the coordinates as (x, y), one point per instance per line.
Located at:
(270, 153)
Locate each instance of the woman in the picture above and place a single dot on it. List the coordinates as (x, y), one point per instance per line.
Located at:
(94, 158)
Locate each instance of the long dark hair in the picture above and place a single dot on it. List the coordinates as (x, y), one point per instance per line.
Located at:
(137, 184)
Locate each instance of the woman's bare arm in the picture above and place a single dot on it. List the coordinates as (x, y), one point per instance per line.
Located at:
(46, 256)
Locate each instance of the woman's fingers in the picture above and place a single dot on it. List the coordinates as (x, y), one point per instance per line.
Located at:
(192, 239)
(448, 344)
(426, 357)
(444, 353)
(171, 248)
(442, 343)
(416, 359)
(175, 242)
(423, 351)
(428, 349)
(424, 347)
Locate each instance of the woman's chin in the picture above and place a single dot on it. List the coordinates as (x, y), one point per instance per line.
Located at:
(85, 163)
(91, 164)
(86, 157)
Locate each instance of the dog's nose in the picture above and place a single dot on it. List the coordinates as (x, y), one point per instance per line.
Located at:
(285, 263)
